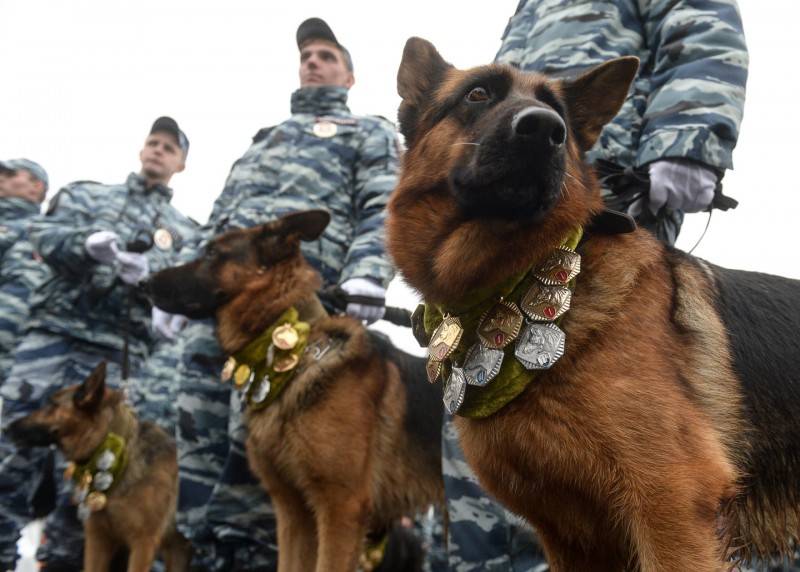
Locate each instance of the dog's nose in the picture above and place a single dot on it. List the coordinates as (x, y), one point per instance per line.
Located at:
(540, 125)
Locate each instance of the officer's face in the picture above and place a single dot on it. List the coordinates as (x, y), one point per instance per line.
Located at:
(322, 63)
(161, 157)
(23, 185)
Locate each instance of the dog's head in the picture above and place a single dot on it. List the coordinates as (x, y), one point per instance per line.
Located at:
(244, 277)
(76, 418)
(494, 175)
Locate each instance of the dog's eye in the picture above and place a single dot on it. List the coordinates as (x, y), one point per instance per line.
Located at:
(478, 95)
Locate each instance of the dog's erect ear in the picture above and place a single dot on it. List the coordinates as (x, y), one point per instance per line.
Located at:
(595, 97)
(308, 225)
(422, 69)
(89, 395)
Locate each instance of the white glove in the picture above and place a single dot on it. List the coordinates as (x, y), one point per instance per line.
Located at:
(364, 287)
(679, 184)
(168, 325)
(133, 267)
(103, 246)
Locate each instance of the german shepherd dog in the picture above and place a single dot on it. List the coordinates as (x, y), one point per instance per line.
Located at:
(351, 444)
(666, 437)
(140, 506)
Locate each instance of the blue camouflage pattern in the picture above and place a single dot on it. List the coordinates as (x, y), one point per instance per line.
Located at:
(349, 170)
(688, 98)
(21, 272)
(84, 299)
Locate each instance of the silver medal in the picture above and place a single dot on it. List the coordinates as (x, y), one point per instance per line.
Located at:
(106, 460)
(482, 364)
(83, 512)
(102, 480)
(454, 391)
(540, 346)
(262, 390)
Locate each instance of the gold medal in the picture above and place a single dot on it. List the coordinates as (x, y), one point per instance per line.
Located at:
(285, 337)
(434, 369)
(546, 303)
(162, 238)
(285, 363)
(325, 129)
(500, 325)
(562, 266)
(96, 501)
(242, 375)
(445, 338)
(86, 480)
(227, 370)
(69, 471)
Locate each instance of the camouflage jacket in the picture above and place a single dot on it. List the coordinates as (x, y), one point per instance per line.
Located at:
(322, 157)
(85, 299)
(21, 271)
(688, 98)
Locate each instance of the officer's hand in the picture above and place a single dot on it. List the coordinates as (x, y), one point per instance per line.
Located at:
(167, 325)
(103, 246)
(133, 267)
(365, 287)
(679, 184)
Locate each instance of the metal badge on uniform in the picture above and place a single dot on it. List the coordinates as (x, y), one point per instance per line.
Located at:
(454, 391)
(162, 238)
(540, 346)
(482, 364)
(325, 129)
(546, 303)
(500, 325)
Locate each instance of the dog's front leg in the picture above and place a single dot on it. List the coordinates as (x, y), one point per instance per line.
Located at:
(143, 553)
(341, 523)
(98, 548)
(297, 532)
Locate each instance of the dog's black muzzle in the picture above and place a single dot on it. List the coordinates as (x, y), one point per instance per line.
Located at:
(517, 170)
(25, 434)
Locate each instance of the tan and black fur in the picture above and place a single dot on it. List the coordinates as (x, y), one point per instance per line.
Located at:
(351, 444)
(664, 439)
(140, 510)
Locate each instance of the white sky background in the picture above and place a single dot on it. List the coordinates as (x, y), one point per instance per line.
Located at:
(82, 81)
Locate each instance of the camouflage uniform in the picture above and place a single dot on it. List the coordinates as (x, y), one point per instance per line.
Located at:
(322, 157)
(77, 318)
(21, 271)
(686, 102)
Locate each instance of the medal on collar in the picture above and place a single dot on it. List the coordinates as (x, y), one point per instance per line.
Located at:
(285, 363)
(325, 129)
(433, 369)
(96, 501)
(162, 238)
(285, 337)
(500, 325)
(482, 364)
(262, 390)
(540, 346)
(227, 370)
(242, 375)
(545, 303)
(445, 338)
(562, 266)
(454, 391)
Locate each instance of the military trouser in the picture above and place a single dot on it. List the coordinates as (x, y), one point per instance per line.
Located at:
(44, 363)
(481, 534)
(222, 508)
(154, 389)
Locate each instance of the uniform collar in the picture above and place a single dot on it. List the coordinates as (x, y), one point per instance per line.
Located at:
(320, 100)
(12, 208)
(136, 183)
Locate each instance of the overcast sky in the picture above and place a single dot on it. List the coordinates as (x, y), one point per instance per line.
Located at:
(83, 80)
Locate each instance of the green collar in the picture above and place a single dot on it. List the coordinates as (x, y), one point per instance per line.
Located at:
(263, 368)
(488, 319)
(94, 479)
